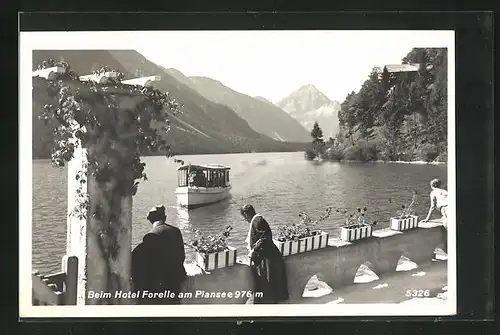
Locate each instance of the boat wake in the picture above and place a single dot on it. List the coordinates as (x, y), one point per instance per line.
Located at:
(261, 163)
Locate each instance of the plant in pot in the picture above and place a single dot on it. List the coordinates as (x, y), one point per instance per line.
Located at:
(406, 218)
(302, 236)
(356, 225)
(212, 251)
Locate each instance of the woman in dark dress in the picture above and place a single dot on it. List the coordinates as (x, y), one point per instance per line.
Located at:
(266, 261)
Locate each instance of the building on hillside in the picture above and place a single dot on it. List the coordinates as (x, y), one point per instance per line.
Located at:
(395, 68)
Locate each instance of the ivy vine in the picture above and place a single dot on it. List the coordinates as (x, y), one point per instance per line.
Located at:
(92, 115)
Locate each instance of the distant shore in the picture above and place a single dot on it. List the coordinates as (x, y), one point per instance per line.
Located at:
(405, 162)
(380, 161)
(414, 162)
(312, 161)
(201, 154)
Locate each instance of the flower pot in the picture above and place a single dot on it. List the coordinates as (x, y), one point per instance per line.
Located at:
(318, 241)
(354, 234)
(404, 224)
(216, 260)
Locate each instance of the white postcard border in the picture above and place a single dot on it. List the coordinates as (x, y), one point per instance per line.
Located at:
(109, 40)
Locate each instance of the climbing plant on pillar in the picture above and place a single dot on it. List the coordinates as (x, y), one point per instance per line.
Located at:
(114, 124)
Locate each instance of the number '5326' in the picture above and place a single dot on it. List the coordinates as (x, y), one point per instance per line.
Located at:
(417, 293)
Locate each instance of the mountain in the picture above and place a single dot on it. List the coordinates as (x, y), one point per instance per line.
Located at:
(198, 111)
(180, 77)
(203, 127)
(262, 116)
(308, 105)
(263, 100)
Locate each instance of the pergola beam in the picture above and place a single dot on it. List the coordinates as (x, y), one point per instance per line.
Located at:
(49, 73)
(101, 78)
(142, 81)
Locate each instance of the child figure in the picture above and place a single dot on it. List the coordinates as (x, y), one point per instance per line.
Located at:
(439, 201)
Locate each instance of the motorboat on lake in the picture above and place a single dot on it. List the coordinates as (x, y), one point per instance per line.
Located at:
(200, 185)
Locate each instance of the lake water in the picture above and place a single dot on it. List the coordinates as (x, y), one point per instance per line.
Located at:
(279, 185)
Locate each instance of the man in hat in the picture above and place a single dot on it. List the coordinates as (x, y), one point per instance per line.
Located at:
(158, 261)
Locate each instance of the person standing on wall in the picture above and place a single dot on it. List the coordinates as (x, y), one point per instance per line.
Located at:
(158, 261)
(266, 261)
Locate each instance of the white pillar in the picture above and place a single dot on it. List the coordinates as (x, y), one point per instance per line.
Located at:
(76, 232)
(92, 239)
(101, 237)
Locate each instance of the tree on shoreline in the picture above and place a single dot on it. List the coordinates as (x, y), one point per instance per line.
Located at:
(317, 136)
(318, 143)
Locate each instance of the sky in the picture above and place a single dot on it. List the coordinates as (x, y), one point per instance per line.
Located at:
(273, 64)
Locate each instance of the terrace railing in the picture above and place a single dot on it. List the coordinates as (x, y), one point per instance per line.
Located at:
(57, 288)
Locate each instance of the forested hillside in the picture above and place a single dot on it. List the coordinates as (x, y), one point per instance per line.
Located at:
(396, 115)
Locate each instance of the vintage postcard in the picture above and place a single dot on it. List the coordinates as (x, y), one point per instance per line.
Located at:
(261, 173)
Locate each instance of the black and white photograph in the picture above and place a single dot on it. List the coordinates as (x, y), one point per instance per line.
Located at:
(237, 173)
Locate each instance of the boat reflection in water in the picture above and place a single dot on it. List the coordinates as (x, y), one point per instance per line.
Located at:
(189, 221)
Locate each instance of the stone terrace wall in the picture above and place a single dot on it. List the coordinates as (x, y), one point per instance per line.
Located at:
(336, 264)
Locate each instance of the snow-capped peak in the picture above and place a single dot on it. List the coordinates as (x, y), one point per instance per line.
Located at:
(308, 104)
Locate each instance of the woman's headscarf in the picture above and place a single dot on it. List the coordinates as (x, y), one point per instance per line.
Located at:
(260, 229)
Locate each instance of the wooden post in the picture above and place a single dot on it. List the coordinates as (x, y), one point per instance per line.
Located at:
(70, 267)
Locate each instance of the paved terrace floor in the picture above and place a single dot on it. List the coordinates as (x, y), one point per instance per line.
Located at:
(390, 288)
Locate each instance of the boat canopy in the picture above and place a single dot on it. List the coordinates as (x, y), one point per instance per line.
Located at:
(210, 175)
(203, 167)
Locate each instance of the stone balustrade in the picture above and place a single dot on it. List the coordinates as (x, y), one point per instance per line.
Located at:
(336, 265)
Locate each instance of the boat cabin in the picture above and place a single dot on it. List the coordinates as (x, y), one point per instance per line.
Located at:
(203, 176)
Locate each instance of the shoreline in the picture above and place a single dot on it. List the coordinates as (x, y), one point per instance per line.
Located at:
(406, 162)
(275, 152)
(379, 161)
(200, 154)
